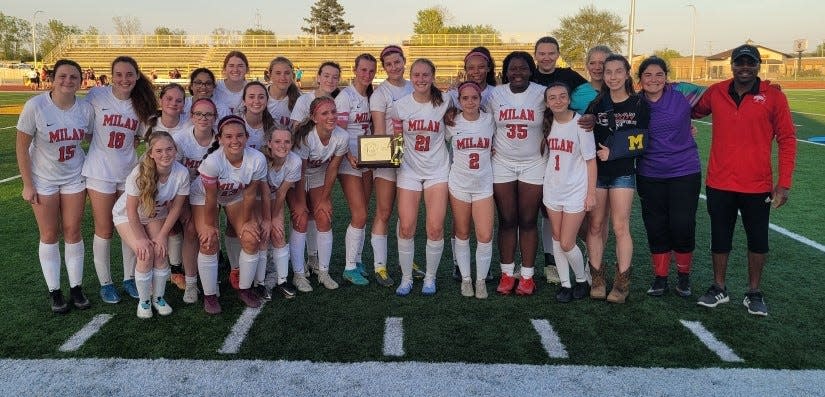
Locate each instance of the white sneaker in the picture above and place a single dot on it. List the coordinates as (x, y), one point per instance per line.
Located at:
(190, 294)
(301, 283)
(467, 288)
(481, 289)
(326, 280)
(144, 309)
(552, 275)
(161, 306)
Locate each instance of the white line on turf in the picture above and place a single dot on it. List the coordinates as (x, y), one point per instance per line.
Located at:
(394, 337)
(798, 139)
(78, 339)
(9, 179)
(787, 233)
(549, 339)
(6, 128)
(232, 343)
(809, 114)
(715, 345)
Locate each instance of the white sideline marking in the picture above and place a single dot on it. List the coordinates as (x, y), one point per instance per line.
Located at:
(78, 339)
(5, 128)
(549, 339)
(233, 341)
(809, 114)
(394, 337)
(798, 139)
(715, 345)
(787, 233)
(9, 179)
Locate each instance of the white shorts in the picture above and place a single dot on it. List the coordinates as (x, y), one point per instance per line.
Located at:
(570, 209)
(46, 188)
(316, 179)
(346, 169)
(104, 186)
(197, 194)
(121, 219)
(387, 174)
(531, 172)
(411, 181)
(468, 197)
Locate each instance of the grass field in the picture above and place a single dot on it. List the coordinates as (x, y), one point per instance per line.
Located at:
(347, 325)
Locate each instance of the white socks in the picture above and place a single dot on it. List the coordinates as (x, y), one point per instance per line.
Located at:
(50, 264)
(161, 276)
(297, 241)
(282, 263)
(484, 254)
(576, 261)
(75, 254)
(406, 248)
(379, 250)
(526, 272)
(174, 249)
(312, 238)
(561, 264)
(461, 254)
(433, 253)
(233, 250)
(129, 261)
(143, 282)
(248, 265)
(324, 250)
(101, 256)
(260, 269)
(508, 268)
(353, 243)
(208, 272)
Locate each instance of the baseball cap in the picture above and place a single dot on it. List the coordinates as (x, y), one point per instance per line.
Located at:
(746, 50)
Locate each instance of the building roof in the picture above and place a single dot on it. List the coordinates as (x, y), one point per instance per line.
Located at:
(726, 54)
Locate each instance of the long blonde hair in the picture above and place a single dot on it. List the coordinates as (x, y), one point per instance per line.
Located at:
(147, 177)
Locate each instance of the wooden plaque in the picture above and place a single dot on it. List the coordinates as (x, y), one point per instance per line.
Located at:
(379, 151)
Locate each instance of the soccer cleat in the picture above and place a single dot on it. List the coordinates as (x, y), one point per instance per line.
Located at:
(235, 278)
(467, 288)
(526, 287)
(58, 303)
(108, 293)
(564, 294)
(161, 306)
(404, 288)
(79, 298)
(144, 309)
(755, 302)
(428, 289)
(417, 272)
(190, 294)
(552, 274)
(211, 304)
(262, 292)
(248, 297)
(301, 283)
(130, 288)
(683, 285)
(506, 284)
(361, 269)
(354, 276)
(658, 287)
(481, 289)
(179, 280)
(714, 297)
(326, 280)
(285, 290)
(312, 265)
(581, 290)
(382, 277)
(456, 273)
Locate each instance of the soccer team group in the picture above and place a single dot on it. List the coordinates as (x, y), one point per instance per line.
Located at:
(542, 146)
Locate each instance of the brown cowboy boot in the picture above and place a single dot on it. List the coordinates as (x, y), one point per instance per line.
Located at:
(621, 287)
(597, 288)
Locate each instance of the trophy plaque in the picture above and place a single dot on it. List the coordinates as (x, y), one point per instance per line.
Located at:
(380, 151)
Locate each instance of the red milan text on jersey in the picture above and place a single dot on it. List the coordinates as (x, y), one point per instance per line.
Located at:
(119, 121)
(229, 189)
(470, 143)
(513, 114)
(424, 125)
(564, 145)
(362, 117)
(192, 164)
(62, 134)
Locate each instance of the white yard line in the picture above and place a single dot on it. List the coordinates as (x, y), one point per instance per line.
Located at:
(9, 179)
(715, 345)
(9, 127)
(394, 337)
(549, 339)
(232, 343)
(78, 339)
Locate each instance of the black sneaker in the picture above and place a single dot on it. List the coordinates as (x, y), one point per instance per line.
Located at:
(755, 303)
(79, 298)
(58, 303)
(286, 290)
(564, 295)
(262, 292)
(658, 287)
(489, 277)
(683, 286)
(714, 296)
(581, 290)
(456, 273)
(549, 259)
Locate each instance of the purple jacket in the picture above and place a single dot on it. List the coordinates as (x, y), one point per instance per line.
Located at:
(671, 150)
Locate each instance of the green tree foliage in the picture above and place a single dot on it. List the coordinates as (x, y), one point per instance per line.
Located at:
(431, 20)
(434, 21)
(258, 37)
(164, 31)
(56, 31)
(588, 28)
(667, 54)
(15, 38)
(166, 37)
(326, 17)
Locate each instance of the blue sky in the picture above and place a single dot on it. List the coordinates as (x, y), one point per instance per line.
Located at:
(667, 23)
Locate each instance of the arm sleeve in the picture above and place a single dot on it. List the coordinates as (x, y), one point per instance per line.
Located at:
(785, 138)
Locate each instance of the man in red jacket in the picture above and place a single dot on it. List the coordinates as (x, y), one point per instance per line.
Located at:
(748, 114)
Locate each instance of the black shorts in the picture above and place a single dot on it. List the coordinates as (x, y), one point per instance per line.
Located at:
(723, 208)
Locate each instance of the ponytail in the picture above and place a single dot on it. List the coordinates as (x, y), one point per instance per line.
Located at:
(143, 98)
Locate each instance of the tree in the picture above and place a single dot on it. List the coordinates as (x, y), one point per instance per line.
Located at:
(667, 54)
(588, 28)
(431, 20)
(15, 38)
(164, 31)
(92, 31)
(126, 25)
(434, 20)
(258, 37)
(166, 37)
(326, 17)
(56, 32)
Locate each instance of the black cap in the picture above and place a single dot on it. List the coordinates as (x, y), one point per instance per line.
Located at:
(746, 50)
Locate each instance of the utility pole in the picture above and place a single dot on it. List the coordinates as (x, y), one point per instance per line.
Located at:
(693, 42)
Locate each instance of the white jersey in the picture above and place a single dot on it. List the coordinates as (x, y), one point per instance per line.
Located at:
(357, 108)
(190, 152)
(485, 96)
(425, 150)
(182, 125)
(290, 171)
(256, 136)
(518, 119)
(565, 179)
(279, 109)
(471, 141)
(228, 102)
(383, 100)
(176, 185)
(319, 155)
(300, 111)
(233, 180)
(56, 155)
(112, 151)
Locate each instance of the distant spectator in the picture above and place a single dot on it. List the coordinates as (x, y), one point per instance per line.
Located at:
(34, 79)
(298, 75)
(103, 81)
(176, 74)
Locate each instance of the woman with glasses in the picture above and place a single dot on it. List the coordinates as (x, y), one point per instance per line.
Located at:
(201, 85)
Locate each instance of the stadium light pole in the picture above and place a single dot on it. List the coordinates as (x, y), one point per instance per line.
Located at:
(34, 39)
(693, 42)
(631, 30)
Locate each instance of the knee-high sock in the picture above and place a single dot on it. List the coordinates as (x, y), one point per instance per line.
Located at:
(576, 261)
(233, 250)
(160, 278)
(248, 265)
(297, 243)
(546, 235)
(175, 249)
(129, 261)
(101, 255)
(324, 250)
(282, 263)
(353, 237)
(50, 264)
(208, 272)
(561, 264)
(143, 282)
(433, 252)
(312, 238)
(270, 269)
(684, 261)
(406, 249)
(484, 255)
(661, 264)
(452, 249)
(379, 250)
(260, 269)
(75, 254)
(461, 254)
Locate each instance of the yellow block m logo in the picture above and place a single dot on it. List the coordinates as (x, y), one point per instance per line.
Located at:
(635, 142)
